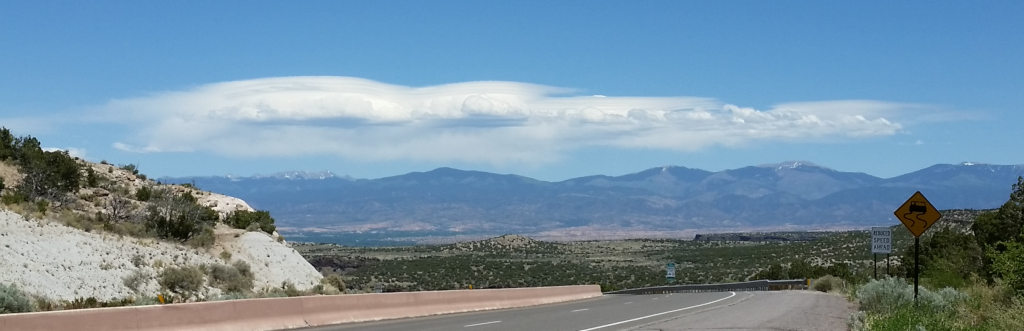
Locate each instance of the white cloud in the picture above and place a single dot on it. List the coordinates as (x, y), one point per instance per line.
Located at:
(495, 122)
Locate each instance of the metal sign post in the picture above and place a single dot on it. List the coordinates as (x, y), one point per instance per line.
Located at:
(917, 214)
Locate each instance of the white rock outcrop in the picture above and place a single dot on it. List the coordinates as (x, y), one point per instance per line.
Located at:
(58, 262)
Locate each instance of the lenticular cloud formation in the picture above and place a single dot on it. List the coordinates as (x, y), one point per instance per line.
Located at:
(496, 122)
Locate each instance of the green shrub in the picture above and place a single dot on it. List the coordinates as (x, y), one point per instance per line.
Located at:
(991, 308)
(44, 304)
(13, 197)
(7, 144)
(252, 220)
(92, 302)
(230, 278)
(185, 281)
(179, 217)
(910, 318)
(1008, 264)
(42, 206)
(828, 283)
(131, 168)
(47, 174)
(144, 193)
(289, 289)
(82, 303)
(90, 177)
(13, 300)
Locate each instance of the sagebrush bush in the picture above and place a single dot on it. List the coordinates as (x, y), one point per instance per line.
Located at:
(136, 279)
(335, 281)
(13, 300)
(243, 268)
(138, 260)
(828, 283)
(186, 281)
(230, 278)
(204, 239)
(893, 293)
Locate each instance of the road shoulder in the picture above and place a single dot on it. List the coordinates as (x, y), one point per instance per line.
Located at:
(780, 310)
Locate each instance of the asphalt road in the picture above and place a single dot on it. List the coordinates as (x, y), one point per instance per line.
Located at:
(785, 310)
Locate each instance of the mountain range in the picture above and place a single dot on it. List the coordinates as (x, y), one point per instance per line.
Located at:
(452, 201)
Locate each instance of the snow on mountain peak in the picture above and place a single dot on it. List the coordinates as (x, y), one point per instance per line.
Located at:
(790, 165)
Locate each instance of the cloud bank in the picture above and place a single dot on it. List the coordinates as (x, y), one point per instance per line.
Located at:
(491, 122)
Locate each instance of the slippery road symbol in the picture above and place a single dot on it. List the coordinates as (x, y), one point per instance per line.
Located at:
(917, 214)
(916, 210)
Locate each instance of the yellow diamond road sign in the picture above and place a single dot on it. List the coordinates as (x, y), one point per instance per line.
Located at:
(917, 214)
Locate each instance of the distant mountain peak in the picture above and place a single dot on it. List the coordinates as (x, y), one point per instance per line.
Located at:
(791, 165)
(301, 175)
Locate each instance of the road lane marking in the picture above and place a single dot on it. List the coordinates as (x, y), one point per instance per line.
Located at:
(579, 310)
(628, 303)
(658, 314)
(479, 324)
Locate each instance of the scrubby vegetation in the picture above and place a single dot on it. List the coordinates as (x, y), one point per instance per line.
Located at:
(252, 220)
(50, 182)
(182, 281)
(48, 175)
(513, 261)
(38, 183)
(828, 283)
(236, 278)
(972, 277)
(972, 267)
(13, 300)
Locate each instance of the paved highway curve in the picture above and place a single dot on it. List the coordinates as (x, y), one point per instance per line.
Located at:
(790, 310)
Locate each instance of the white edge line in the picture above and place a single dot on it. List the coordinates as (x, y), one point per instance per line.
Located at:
(479, 324)
(579, 310)
(658, 314)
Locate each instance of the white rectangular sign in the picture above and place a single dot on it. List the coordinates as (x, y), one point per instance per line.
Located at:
(881, 240)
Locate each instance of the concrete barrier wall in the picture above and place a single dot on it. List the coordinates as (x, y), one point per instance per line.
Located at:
(281, 313)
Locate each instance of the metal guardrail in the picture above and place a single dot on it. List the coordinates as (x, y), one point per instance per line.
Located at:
(757, 285)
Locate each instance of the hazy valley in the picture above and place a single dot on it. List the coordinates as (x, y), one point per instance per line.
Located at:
(446, 205)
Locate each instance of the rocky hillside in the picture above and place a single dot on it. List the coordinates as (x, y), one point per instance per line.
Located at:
(105, 241)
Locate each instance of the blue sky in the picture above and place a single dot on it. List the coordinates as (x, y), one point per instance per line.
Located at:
(547, 90)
